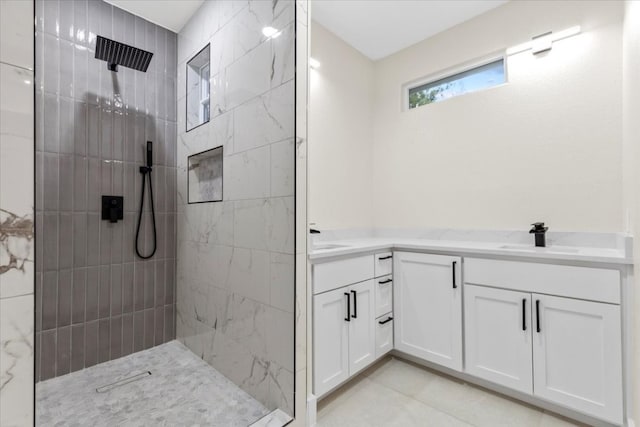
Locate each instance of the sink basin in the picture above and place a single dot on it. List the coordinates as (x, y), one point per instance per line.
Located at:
(322, 247)
(537, 249)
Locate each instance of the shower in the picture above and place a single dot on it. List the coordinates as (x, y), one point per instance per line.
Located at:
(116, 53)
(146, 170)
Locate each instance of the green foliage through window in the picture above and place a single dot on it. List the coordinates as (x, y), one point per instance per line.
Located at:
(482, 77)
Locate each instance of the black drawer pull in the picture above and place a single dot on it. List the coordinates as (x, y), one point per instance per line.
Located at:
(524, 313)
(348, 318)
(453, 269)
(355, 305)
(382, 322)
(385, 281)
(385, 257)
(538, 315)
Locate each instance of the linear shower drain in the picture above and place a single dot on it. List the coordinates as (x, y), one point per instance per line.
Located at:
(127, 380)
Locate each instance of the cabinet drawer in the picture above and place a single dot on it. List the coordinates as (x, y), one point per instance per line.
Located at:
(384, 335)
(597, 284)
(335, 274)
(384, 295)
(383, 263)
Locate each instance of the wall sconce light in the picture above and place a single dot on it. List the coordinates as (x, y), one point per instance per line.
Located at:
(543, 42)
(314, 63)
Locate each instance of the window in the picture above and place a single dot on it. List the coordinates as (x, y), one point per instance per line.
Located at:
(198, 75)
(480, 77)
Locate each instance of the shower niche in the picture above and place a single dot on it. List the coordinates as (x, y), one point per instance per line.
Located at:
(204, 177)
(198, 74)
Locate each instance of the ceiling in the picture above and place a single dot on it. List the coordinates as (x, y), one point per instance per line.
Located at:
(378, 28)
(171, 14)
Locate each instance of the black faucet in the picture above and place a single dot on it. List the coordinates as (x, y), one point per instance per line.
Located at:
(539, 230)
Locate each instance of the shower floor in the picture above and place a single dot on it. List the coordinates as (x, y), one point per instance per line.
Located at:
(181, 390)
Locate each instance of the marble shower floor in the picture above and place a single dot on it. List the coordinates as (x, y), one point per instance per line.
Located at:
(182, 390)
(395, 393)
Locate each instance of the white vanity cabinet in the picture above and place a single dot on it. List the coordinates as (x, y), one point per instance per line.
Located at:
(428, 307)
(577, 355)
(564, 350)
(497, 325)
(346, 334)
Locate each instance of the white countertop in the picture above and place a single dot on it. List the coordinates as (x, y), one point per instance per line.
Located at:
(377, 244)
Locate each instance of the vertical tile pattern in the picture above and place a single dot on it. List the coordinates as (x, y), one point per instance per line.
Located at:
(235, 258)
(95, 123)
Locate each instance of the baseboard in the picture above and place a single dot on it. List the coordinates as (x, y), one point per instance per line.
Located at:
(312, 410)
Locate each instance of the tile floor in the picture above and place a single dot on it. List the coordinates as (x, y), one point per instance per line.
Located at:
(399, 393)
(182, 390)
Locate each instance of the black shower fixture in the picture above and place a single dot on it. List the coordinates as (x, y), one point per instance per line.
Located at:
(116, 53)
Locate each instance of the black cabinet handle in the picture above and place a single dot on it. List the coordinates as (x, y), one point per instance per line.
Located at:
(385, 281)
(453, 269)
(385, 257)
(538, 315)
(524, 313)
(382, 322)
(355, 305)
(348, 318)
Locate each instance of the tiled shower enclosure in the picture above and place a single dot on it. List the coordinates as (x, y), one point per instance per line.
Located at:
(95, 299)
(223, 278)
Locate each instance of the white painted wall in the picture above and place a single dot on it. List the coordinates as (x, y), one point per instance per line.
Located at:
(546, 146)
(631, 139)
(340, 134)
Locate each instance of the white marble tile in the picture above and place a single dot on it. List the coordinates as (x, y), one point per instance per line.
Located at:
(16, 33)
(16, 187)
(266, 119)
(280, 388)
(265, 224)
(248, 174)
(16, 361)
(249, 274)
(249, 76)
(207, 223)
(282, 51)
(279, 333)
(249, 325)
(221, 133)
(283, 168)
(277, 418)
(282, 282)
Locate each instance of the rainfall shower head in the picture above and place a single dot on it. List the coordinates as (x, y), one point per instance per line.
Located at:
(116, 53)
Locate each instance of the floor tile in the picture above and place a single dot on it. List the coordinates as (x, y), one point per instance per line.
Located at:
(398, 393)
(181, 390)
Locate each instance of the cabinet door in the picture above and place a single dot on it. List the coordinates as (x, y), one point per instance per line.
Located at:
(498, 336)
(330, 339)
(428, 307)
(577, 355)
(362, 338)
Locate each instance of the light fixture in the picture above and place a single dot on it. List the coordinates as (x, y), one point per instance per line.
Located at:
(271, 32)
(314, 63)
(27, 82)
(543, 42)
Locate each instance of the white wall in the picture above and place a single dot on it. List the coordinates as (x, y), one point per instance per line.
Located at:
(631, 138)
(340, 134)
(546, 146)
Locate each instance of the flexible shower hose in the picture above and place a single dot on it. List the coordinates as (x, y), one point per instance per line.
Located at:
(144, 170)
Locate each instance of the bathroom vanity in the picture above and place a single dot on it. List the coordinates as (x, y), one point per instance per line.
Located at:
(545, 325)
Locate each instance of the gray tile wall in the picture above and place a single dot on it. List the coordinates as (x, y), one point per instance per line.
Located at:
(95, 300)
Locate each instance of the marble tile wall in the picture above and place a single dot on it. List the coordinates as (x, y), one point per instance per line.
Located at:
(235, 258)
(95, 299)
(16, 213)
